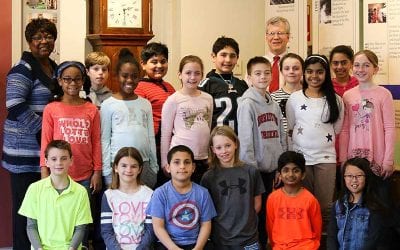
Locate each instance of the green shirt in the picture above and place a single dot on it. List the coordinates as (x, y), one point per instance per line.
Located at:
(56, 214)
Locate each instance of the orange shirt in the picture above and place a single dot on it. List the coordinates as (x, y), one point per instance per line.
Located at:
(80, 126)
(293, 222)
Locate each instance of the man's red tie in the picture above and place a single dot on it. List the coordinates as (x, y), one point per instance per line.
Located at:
(274, 86)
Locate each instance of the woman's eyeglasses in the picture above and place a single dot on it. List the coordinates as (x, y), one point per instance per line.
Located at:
(38, 38)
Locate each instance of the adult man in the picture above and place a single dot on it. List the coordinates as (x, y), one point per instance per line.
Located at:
(277, 36)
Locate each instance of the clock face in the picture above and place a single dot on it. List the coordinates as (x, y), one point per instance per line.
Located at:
(124, 13)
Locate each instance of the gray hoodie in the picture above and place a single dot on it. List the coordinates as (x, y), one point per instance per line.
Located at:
(260, 130)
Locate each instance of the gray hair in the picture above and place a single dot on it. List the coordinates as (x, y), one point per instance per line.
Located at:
(278, 19)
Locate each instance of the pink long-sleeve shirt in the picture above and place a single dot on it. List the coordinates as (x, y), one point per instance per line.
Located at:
(186, 120)
(369, 127)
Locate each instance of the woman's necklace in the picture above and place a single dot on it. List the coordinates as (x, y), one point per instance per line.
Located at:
(47, 69)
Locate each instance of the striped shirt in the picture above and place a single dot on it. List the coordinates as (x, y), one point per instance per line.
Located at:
(281, 97)
(27, 93)
(157, 93)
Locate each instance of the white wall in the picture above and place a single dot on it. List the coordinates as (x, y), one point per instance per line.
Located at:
(71, 32)
(186, 26)
(192, 26)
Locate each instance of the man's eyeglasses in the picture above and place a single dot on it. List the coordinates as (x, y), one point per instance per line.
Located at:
(68, 80)
(38, 38)
(279, 33)
(351, 177)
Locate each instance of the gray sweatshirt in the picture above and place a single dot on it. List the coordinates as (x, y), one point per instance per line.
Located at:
(260, 130)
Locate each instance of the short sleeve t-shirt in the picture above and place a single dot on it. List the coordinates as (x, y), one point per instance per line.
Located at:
(182, 213)
(56, 214)
(233, 191)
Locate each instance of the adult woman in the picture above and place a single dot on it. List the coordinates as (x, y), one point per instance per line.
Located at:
(29, 89)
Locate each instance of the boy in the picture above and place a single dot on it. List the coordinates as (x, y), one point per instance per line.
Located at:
(57, 208)
(260, 129)
(154, 62)
(97, 68)
(181, 210)
(294, 215)
(222, 85)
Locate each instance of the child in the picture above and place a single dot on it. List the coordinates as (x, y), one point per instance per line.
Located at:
(77, 122)
(341, 58)
(57, 207)
(260, 129)
(127, 121)
(222, 85)
(369, 123)
(186, 117)
(315, 116)
(181, 210)
(291, 66)
(154, 62)
(236, 190)
(97, 68)
(356, 221)
(294, 216)
(123, 218)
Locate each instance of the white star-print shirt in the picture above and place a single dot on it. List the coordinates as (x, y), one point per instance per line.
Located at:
(311, 136)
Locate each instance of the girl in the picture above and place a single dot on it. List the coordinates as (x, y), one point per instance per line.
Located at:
(291, 66)
(127, 120)
(236, 191)
(76, 121)
(314, 117)
(369, 124)
(356, 221)
(186, 116)
(123, 219)
(341, 58)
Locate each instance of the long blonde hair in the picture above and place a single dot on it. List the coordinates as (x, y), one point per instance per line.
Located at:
(227, 131)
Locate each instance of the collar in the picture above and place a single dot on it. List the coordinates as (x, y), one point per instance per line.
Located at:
(270, 56)
(102, 90)
(358, 204)
(70, 188)
(213, 73)
(145, 79)
(157, 82)
(37, 71)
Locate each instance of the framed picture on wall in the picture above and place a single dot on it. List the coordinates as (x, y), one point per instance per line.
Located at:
(41, 9)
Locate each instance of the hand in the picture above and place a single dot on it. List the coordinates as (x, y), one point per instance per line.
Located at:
(44, 172)
(387, 171)
(95, 181)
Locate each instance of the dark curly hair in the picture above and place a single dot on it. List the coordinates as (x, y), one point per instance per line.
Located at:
(153, 49)
(40, 25)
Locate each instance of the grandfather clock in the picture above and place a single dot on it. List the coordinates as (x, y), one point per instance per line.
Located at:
(116, 24)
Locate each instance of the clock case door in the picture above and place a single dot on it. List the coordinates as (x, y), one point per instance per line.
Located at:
(111, 40)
